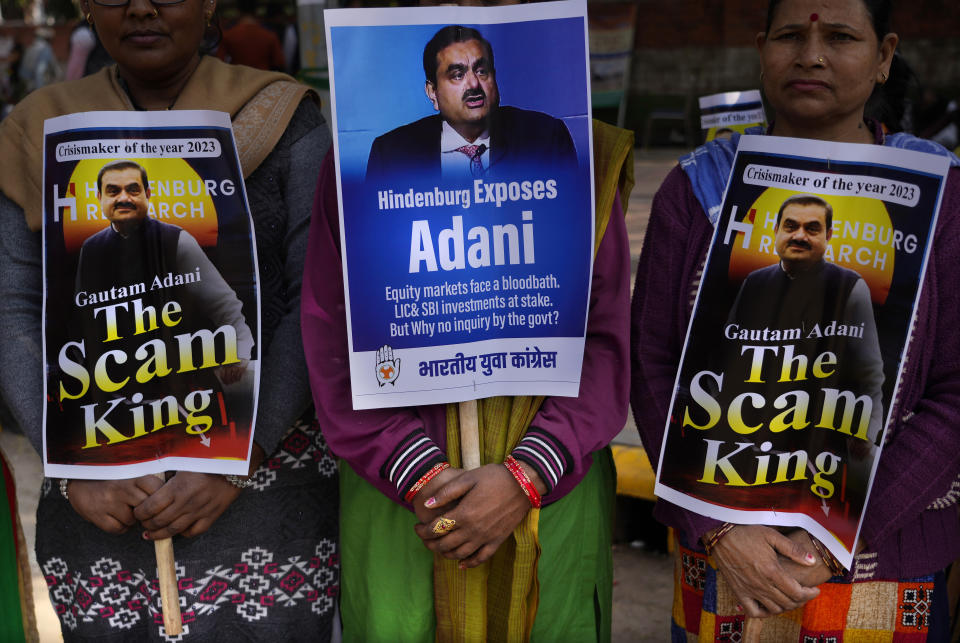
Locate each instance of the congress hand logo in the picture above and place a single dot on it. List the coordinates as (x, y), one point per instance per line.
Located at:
(388, 367)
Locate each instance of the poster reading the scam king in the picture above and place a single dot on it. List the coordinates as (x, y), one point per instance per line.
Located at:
(466, 199)
(151, 306)
(795, 346)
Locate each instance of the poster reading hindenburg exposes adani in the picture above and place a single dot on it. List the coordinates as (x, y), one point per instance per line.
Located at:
(151, 301)
(466, 199)
(795, 347)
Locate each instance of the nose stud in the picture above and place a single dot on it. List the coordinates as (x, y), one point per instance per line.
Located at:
(820, 59)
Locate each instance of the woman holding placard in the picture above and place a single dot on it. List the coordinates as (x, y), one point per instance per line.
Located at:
(259, 558)
(513, 543)
(824, 66)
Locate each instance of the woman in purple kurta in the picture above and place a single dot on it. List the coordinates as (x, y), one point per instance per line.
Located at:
(910, 531)
(566, 431)
(388, 589)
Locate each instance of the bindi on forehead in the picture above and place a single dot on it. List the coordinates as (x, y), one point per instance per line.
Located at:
(814, 17)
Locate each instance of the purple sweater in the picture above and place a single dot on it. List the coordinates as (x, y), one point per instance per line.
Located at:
(911, 526)
(392, 448)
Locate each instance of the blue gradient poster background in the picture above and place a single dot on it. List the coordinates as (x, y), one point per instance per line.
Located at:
(434, 261)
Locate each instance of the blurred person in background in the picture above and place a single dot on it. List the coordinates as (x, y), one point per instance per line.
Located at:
(938, 118)
(249, 43)
(87, 54)
(39, 66)
(12, 88)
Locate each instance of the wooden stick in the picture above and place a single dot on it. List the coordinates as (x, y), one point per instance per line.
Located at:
(469, 435)
(169, 594)
(751, 629)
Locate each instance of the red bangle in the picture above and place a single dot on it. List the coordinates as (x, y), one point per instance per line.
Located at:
(513, 466)
(427, 477)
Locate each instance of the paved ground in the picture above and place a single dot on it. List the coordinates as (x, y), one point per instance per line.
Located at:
(642, 575)
(642, 593)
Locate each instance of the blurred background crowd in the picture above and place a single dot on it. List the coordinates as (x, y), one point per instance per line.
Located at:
(650, 59)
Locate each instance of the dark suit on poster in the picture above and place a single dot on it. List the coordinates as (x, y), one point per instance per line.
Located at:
(143, 258)
(108, 258)
(810, 301)
(521, 141)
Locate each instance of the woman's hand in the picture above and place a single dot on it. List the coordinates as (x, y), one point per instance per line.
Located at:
(232, 374)
(189, 503)
(491, 505)
(429, 515)
(748, 556)
(806, 575)
(109, 504)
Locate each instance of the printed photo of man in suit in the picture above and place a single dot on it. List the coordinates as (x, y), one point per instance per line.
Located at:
(472, 135)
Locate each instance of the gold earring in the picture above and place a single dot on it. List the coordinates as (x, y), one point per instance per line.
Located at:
(89, 18)
(883, 78)
(156, 12)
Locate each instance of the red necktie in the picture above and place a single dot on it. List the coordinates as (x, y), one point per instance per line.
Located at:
(474, 152)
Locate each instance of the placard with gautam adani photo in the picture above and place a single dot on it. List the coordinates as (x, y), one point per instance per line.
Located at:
(151, 299)
(796, 344)
(463, 145)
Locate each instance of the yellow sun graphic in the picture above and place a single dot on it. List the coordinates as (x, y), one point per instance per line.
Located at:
(178, 195)
(863, 239)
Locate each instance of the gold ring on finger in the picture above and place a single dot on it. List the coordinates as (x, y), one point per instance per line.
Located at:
(444, 525)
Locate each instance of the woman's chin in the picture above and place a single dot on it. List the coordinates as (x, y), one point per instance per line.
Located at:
(810, 115)
(151, 65)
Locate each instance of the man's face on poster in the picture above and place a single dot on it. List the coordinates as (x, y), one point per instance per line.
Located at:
(802, 236)
(466, 88)
(123, 197)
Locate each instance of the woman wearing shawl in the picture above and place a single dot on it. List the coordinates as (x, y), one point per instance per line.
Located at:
(821, 62)
(509, 572)
(259, 562)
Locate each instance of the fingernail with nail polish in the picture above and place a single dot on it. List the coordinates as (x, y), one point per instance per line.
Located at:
(810, 558)
(739, 608)
(430, 502)
(146, 536)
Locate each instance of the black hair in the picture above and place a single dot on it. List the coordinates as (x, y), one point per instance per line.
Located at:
(247, 7)
(806, 199)
(122, 164)
(212, 35)
(446, 37)
(888, 102)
